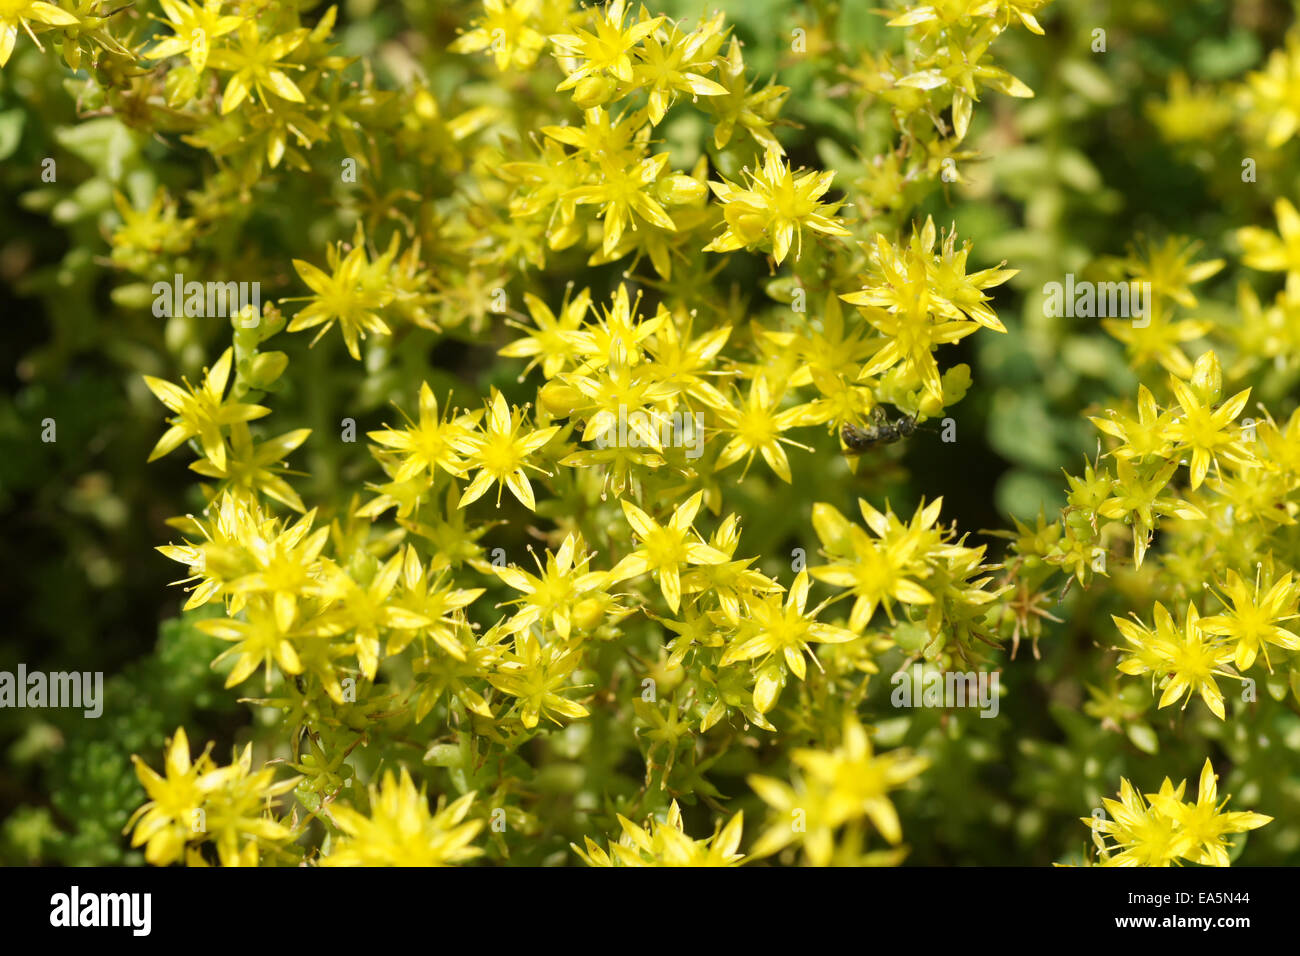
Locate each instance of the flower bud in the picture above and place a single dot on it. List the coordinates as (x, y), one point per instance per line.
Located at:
(1207, 378)
(590, 612)
(558, 398)
(133, 295)
(265, 368)
(181, 85)
(680, 190)
(425, 106)
(593, 91)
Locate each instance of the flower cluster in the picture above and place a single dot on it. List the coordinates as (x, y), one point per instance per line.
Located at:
(199, 803)
(400, 830)
(1164, 829)
(605, 315)
(652, 403)
(835, 797)
(1219, 487)
(666, 844)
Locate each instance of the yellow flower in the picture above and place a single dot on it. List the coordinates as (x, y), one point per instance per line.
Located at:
(425, 598)
(504, 28)
(839, 791)
(1168, 829)
(365, 611)
(147, 234)
(919, 300)
(17, 13)
(255, 65)
(1208, 433)
(1134, 500)
(900, 276)
(195, 28)
(201, 412)
(731, 584)
(1252, 621)
(618, 336)
(198, 801)
(499, 452)
(400, 831)
(536, 674)
(433, 443)
(784, 630)
(1168, 268)
(606, 51)
(221, 558)
(665, 549)
(258, 640)
(756, 426)
(1187, 663)
(1275, 93)
(1274, 252)
(685, 363)
(858, 781)
(1147, 836)
(796, 815)
(676, 66)
(237, 809)
(171, 817)
(554, 592)
(775, 209)
(1142, 437)
(1190, 115)
(877, 570)
(551, 342)
(622, 191)
(255, 467)
(284, 563)
(1203, 825)
(666, 844)
(742, 105)
(458, 674)
(1158, 340)
(347, 294)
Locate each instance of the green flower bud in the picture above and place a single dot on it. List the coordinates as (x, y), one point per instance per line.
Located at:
(134, 295)
(265, 368)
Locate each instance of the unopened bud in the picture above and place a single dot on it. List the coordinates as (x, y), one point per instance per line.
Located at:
(426, 107)
(1207, 378)
(266, 367)
(559, 399)
(680, 190)
(590, 612)
(593, 91)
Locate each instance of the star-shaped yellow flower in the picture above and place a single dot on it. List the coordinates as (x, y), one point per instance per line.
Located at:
(500, 453)
(666, 549)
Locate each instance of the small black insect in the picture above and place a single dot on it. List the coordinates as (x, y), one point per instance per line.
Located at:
(879, 430)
